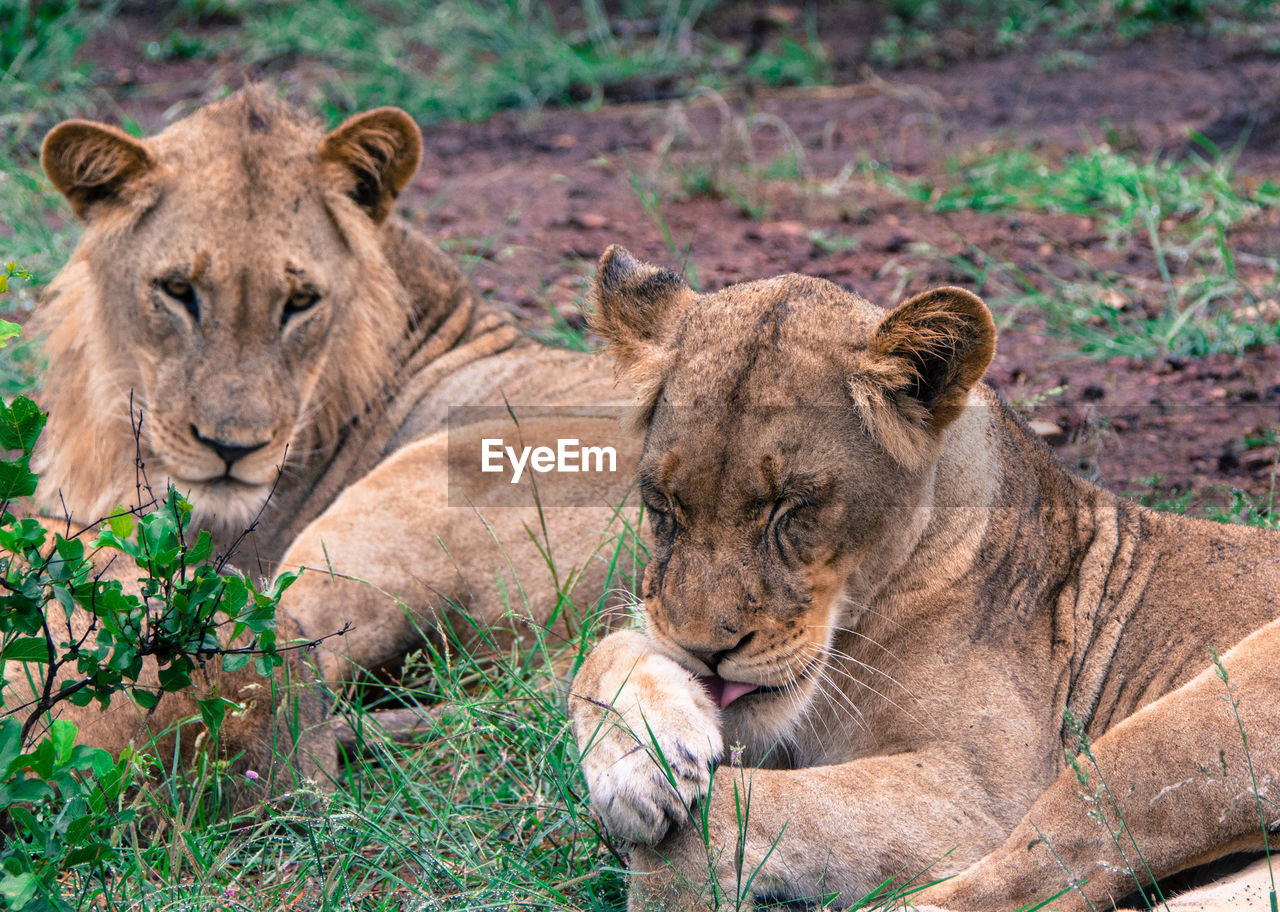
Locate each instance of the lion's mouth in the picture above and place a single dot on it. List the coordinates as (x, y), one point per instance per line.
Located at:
(223, 504)
(723, 692)
(217, 483)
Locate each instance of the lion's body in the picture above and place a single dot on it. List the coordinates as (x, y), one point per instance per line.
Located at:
(945, 592)
(243, 292)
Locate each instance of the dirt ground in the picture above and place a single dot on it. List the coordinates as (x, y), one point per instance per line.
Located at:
(528, 201)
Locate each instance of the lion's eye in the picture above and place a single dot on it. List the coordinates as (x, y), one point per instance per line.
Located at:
(658, 511)
(660, 508)
(785, 514)
(299, 302)
(182, 291)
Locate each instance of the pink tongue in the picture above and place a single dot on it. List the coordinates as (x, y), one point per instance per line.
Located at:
(723, 692)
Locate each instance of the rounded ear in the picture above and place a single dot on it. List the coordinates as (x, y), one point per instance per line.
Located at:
(636, 305)
(377, 151)
(932, 349)
(92, 163)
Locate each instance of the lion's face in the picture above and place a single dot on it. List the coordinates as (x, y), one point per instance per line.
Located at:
(231, 263)
(792, 433)
(229, 333)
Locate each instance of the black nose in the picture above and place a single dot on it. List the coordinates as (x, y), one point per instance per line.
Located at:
(713, 658)
(230, 453)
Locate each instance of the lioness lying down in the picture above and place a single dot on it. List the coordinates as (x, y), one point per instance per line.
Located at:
(243, 283)
(880, 589)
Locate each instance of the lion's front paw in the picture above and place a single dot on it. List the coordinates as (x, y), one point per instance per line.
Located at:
(649, 736)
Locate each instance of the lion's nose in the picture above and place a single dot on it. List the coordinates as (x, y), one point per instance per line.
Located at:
(230, 453)
(713, 657)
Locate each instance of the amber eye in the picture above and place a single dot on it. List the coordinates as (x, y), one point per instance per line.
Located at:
(300, 301)
(182, 291)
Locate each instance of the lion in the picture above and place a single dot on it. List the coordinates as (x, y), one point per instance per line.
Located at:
(248, 318)
(875, 589)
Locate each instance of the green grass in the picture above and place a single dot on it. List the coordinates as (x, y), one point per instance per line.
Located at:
(1201, 294)
(465, 59)
(938, 31)
(572, 336)
(1226, 504)
(41, 83)
(484, 808)
(1120, 190)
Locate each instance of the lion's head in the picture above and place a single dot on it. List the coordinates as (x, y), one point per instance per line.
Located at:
(792, 435)
(232, 284)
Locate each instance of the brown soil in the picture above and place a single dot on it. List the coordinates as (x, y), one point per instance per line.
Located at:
(528, 200)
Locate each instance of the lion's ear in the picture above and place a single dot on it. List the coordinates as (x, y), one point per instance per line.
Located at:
(931, 350)
(636, 306)
(92, 163)
(378, 151)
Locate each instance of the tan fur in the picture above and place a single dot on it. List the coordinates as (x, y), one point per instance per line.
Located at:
(844, 515)
(243, 280)
(211, 208)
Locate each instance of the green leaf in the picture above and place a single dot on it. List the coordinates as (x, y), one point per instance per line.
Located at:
(40, 760)
(26, 649)
(104, 765)
(10, 744)
(62, 733)
(174, 677)
(16, 480)
(30, 789)
(235, 594)
(82, 698)
(8, 331)
(213, 711)
(283, 582)
(20, 424)
(97, 851)
(234, 662)
(147, 699)
(121, 523)
(18, 889)
(201, 550)
(25, 820)
(17, 537)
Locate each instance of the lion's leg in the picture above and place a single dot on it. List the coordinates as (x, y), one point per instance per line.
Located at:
(406, 563)
(648, 734)
(819, 831)
(1176, 769)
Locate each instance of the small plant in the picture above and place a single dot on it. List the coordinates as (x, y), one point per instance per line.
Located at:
(1220, 669)
(1104, 803)
(69, 634)
(651, 203)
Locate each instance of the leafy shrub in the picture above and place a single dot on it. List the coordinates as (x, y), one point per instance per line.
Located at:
(75, 636)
